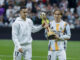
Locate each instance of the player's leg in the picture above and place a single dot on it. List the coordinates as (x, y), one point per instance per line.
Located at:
(65, 45)
(17, 55)
(28, 54)
(62, 55)
(51, 55)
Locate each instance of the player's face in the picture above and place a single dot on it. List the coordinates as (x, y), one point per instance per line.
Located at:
(57, 15)
(23, 13)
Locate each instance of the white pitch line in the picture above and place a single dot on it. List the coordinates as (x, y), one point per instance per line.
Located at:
(37, 57)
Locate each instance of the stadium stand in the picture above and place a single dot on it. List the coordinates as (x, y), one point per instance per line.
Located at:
(9, 10)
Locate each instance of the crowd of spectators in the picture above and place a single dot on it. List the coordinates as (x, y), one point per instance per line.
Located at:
(9, 10)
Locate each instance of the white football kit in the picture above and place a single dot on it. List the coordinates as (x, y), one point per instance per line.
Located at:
(21, 36)
(56, 48)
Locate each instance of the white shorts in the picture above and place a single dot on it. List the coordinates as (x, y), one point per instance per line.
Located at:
(27, 53)
(53, 55)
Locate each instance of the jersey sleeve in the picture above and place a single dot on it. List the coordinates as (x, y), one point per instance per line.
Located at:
(68, 33)
(15, 33)
(36, 28)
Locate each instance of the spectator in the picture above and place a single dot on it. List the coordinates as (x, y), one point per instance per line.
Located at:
(50, 16)
(49, 7)
(41, 5)
(78, 10)
(11, 2)
(1, 2)
(1, 15)
(1, 21)
(10, 13)
(34, 7)
(71, 19)
(1, 10)
(22, 3)
(63, 5)
(77, 20)
(55, 7)
(11, 8)
(29, 4)
(17, 2)
(16, 8)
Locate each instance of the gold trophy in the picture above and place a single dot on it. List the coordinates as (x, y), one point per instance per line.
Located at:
(51, 35)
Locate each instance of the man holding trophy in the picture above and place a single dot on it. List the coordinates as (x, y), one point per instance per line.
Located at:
(50, 33)
(58, 31)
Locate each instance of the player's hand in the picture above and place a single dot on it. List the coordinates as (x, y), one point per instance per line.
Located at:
(45, 25)
(57, 37)
(20, 50)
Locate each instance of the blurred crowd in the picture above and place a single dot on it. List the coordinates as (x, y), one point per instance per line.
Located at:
(9, 10)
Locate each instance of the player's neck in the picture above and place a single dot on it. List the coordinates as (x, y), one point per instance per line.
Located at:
(57, 20)
(24, 18)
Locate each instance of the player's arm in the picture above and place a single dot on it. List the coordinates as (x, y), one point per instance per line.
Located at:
(68, 33)
(36, 28)
(15, 33)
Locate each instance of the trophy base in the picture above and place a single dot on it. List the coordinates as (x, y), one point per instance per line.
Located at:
(51, 37)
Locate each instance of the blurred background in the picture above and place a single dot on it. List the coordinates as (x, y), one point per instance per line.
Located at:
(9, 10)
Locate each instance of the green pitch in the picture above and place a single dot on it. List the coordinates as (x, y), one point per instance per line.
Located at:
(39, 50)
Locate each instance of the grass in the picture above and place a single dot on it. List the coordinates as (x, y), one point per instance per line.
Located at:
(39, 50)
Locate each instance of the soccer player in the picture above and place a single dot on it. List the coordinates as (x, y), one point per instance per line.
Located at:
(62, 31)
(21, 35)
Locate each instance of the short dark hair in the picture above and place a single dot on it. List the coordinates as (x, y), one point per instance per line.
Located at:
(23, 7)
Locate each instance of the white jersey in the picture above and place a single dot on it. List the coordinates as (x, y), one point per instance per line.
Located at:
(63, 30)
(21, 31)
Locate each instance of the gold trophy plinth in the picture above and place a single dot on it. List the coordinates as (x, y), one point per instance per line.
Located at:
(51, 35)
